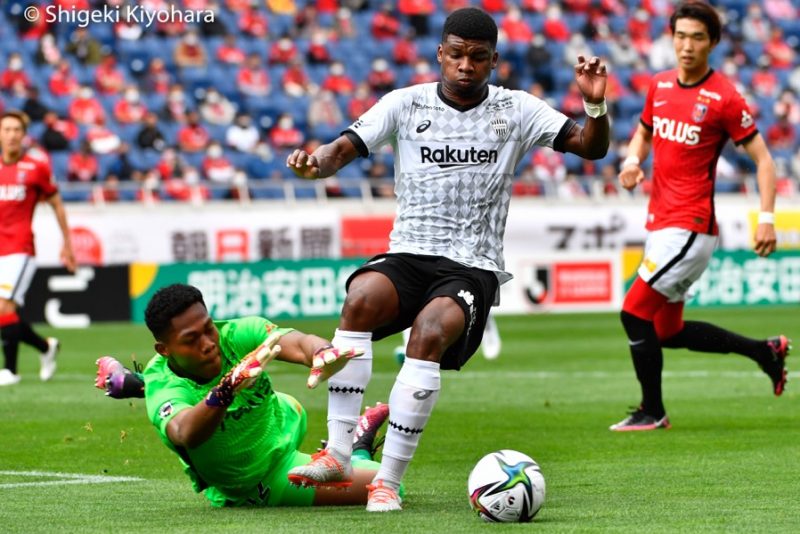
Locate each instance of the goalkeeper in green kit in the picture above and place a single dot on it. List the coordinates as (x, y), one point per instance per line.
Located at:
(212, 403)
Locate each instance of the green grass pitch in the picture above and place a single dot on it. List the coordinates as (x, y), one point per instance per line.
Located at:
(730, 462)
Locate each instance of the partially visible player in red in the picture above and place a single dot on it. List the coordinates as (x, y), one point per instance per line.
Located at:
(689, 114)
(25, 179)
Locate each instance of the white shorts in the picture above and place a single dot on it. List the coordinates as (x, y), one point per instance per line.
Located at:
(16, 273)
(674, 259)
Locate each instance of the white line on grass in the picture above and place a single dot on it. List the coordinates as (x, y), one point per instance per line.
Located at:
(63, 479)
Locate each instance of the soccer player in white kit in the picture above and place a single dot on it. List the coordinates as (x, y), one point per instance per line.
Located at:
(456, 146)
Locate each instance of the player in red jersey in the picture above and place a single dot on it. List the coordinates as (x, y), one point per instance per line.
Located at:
(25, 179)
(689, 114)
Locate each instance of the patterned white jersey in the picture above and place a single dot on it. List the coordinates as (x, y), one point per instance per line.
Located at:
(454, 166)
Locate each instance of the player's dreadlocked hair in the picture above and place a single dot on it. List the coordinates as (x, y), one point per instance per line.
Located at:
(698, 10)
(471, 23)
(168, 302)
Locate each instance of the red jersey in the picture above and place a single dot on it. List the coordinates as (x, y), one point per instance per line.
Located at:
(690, 126)
(22, 185)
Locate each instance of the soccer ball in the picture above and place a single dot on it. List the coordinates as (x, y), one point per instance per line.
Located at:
(506, 487)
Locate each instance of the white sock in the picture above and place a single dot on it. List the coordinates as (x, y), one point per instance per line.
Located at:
(346, 392)
(410, 405)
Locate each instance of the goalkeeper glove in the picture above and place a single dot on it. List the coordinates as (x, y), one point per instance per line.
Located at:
(328, 361)
(244, 373)
(118, 381)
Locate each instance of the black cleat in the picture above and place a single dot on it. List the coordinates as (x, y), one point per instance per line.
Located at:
(775, 367)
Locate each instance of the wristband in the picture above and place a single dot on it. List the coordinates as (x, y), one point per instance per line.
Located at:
(630, 160)
(595, 110)
(766, 217)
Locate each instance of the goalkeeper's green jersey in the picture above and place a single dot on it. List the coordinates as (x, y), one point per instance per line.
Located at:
(259, 429)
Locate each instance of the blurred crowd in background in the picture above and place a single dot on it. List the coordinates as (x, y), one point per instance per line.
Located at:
(211, 105)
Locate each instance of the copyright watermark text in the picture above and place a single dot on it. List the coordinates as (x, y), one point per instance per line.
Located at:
(115, 14)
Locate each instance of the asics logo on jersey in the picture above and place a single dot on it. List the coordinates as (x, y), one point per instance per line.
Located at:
(424, 125)
(12, 192)
(448, 156)
(677, 131)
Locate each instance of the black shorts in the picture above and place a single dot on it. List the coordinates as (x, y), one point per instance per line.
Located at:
(419, 279)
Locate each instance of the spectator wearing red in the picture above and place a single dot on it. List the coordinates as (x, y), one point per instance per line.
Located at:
(572, 102)
(640, 78)
(284, 135)
(30, 30)
(327, 6)
(405, 50)
(515, 27)
(640, 31)
(130, 109)
(216, 167)
(423, 73)
(781, 134)
(171, 164)
(237, 6)
(102, 139)
(190, 52)
(193, 137)
(253, 79)
(384, 24)
(577, 6)
(253, 22)
(337, 81)
(381, 79)
(229, 52)
(295, 82)
(108, 78)
(196, 5)
(764, 82)
(82, 166)
(187, 187)
(318, 53)
(283, 51)
(494, 6)
(85, 108)
(62, 81)
(418, 13)
(554, 27)
(362, 100)
(13, 80)
(451, 5)
(780, 53)
(533, 6)
(788, 105)
(158, 78)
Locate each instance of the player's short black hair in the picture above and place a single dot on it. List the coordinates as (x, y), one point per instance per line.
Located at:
(471, 23)
(168, 302)
(698, 10)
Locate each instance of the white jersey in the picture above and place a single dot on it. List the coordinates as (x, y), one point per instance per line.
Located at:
(454, 167)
